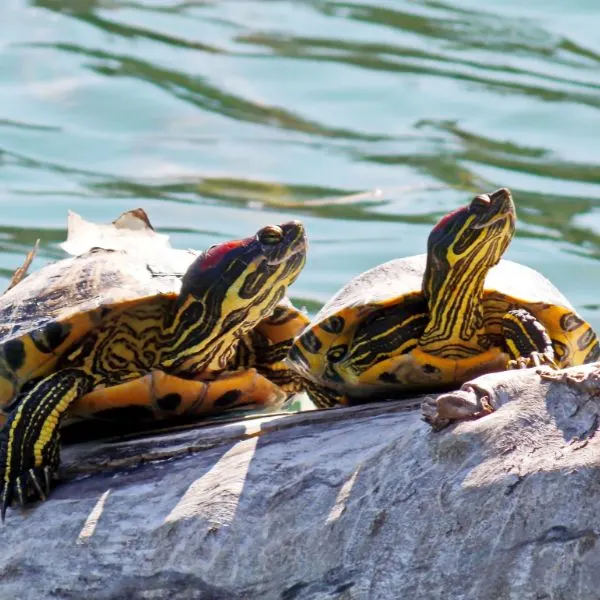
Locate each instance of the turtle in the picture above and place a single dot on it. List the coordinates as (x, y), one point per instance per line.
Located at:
(132, 316)
(430, 322)
(256, 375)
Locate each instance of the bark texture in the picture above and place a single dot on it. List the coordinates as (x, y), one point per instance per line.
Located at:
(363, 502)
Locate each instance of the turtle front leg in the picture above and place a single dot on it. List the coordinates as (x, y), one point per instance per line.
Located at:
(29, 442)
(527, 340)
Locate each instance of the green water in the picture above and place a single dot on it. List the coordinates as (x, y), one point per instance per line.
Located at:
(367, 120)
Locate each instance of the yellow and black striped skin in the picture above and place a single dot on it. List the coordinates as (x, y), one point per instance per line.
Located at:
(432, 322)
(256, 375)
(122, 319)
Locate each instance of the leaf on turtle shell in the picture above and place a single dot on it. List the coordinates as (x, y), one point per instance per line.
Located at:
(132, 231)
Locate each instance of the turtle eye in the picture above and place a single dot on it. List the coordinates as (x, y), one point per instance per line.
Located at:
(270, 235)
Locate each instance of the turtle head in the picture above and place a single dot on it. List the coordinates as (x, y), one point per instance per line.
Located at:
(231, 287)
(248, 274)
(472, 237)
(461, 249)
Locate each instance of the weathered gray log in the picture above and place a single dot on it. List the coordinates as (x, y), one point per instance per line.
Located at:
(364, 502)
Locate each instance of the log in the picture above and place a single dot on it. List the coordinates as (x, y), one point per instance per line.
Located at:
(358, 502)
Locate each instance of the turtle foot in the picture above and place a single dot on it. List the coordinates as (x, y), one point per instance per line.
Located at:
(32, 485)
(21, 479)
(535, 359)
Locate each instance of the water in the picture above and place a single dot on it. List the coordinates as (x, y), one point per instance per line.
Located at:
(367, 120)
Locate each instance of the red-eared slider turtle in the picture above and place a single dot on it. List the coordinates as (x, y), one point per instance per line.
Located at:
(256, 374)
(432, 321)
(110, 316)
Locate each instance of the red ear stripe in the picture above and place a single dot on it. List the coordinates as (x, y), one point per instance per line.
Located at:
(442, 222)
(215, 254)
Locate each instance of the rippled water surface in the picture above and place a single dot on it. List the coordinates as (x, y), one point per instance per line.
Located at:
(367, 120)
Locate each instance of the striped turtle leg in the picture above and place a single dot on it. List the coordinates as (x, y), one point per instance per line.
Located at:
(29, 442)
(266, 348)
(255, 350)
(527, 341)
(159, 395)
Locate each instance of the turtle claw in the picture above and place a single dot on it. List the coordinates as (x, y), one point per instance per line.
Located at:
(32, 485)
(23, 480)
(48, 479)
(36, 484)
(535, 359)
(38, 481)
(19, 489)
(6, 497)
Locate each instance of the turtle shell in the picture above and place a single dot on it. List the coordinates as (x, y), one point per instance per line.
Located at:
(383, 312)
(114, 267)
(52, 308)
(391, 281)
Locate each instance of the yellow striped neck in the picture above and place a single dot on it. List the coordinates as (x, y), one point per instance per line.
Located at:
(188, 332)
(456, 313)
(203, 333)
(461, 249)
